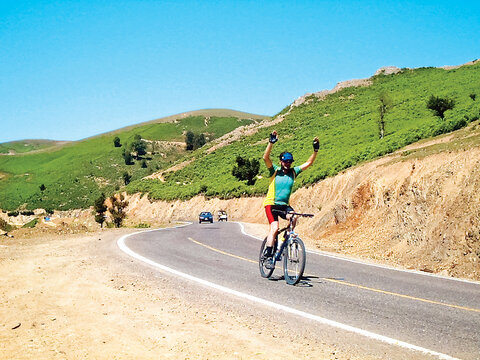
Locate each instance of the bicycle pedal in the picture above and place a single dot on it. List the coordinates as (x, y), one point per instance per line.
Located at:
(269, 264)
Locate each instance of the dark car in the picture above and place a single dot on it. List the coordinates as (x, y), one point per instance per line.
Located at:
(205, 216)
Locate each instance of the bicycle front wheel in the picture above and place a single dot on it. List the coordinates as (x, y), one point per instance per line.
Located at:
(294, 261)
(262, 260)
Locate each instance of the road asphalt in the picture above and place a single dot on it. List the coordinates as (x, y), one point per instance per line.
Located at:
(435, 313)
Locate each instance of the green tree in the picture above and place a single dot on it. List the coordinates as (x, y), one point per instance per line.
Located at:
(127, 155)
(199, 141)
(246, 169)
(139, 146)
(385, 104)
(117, 209)
(126, 178)
(42, 188)
(194, 141)
(189, 136)
(440, 105)
(100, 208)
(116, 142)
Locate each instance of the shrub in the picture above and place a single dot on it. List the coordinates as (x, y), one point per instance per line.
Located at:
(126, 178)
(127, 156)
(100, 208)
(142, 226)
(116, 142)
(31, 224)
(117, 210)
(5, 226)
(194, 141)
(246, 169)
(138, 145)
(440, 105)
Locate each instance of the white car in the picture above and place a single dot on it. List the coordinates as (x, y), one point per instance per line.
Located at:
(222, 216)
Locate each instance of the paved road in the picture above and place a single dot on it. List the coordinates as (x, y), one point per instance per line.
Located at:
(435, 313)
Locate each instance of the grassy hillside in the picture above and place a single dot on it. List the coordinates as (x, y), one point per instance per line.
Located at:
(76, 173)
(347, 125)
(23, 146)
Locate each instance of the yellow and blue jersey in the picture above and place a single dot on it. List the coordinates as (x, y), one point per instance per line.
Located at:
(281, 185)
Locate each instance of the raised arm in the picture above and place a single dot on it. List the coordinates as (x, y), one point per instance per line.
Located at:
(266, 155)
(311, 159)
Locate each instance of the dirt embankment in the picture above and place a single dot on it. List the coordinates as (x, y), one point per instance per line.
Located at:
(421, 214)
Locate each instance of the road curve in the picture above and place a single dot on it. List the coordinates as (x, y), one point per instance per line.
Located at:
(436, 315)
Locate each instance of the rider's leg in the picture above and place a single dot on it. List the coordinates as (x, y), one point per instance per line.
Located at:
(273, 232)
(269, 250)
(273, 221)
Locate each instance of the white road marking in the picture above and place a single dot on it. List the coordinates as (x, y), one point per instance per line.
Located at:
(382, 266)
(121, 244)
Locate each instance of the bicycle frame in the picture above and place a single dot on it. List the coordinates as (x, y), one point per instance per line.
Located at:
(292, 250)
(288, 235)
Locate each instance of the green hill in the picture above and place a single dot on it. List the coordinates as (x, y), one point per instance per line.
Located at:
(23, 146)
(347, 123)
(75, 174)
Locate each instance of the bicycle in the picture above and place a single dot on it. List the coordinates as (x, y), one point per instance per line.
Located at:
(292, 249)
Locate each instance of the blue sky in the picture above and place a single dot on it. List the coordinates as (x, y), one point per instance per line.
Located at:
(74, 69)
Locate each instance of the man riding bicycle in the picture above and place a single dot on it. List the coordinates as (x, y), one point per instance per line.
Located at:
(281, 183)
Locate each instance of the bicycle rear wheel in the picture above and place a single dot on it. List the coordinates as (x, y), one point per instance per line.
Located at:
(294, 261)
(266, 273)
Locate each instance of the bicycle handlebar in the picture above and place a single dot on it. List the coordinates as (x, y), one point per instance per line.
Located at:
(292, 213)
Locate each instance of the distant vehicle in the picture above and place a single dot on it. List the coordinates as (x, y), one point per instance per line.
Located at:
(222, 215)
(205, 216)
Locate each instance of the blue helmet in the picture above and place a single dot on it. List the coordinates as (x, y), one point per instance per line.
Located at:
(286, 156)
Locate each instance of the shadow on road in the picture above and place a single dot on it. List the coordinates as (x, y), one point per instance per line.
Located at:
(306, 281)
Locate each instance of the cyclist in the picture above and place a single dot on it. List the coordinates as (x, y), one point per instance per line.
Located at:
(281, 183)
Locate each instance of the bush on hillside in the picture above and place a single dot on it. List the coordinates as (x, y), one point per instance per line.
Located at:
(138, 145)
(127, 156)
(116, 142)
(194, 141)
(100, 208)
(31, 224)
(5, 226)
(440, 105)
(246, 169)
(117, 210)
(126, 178)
